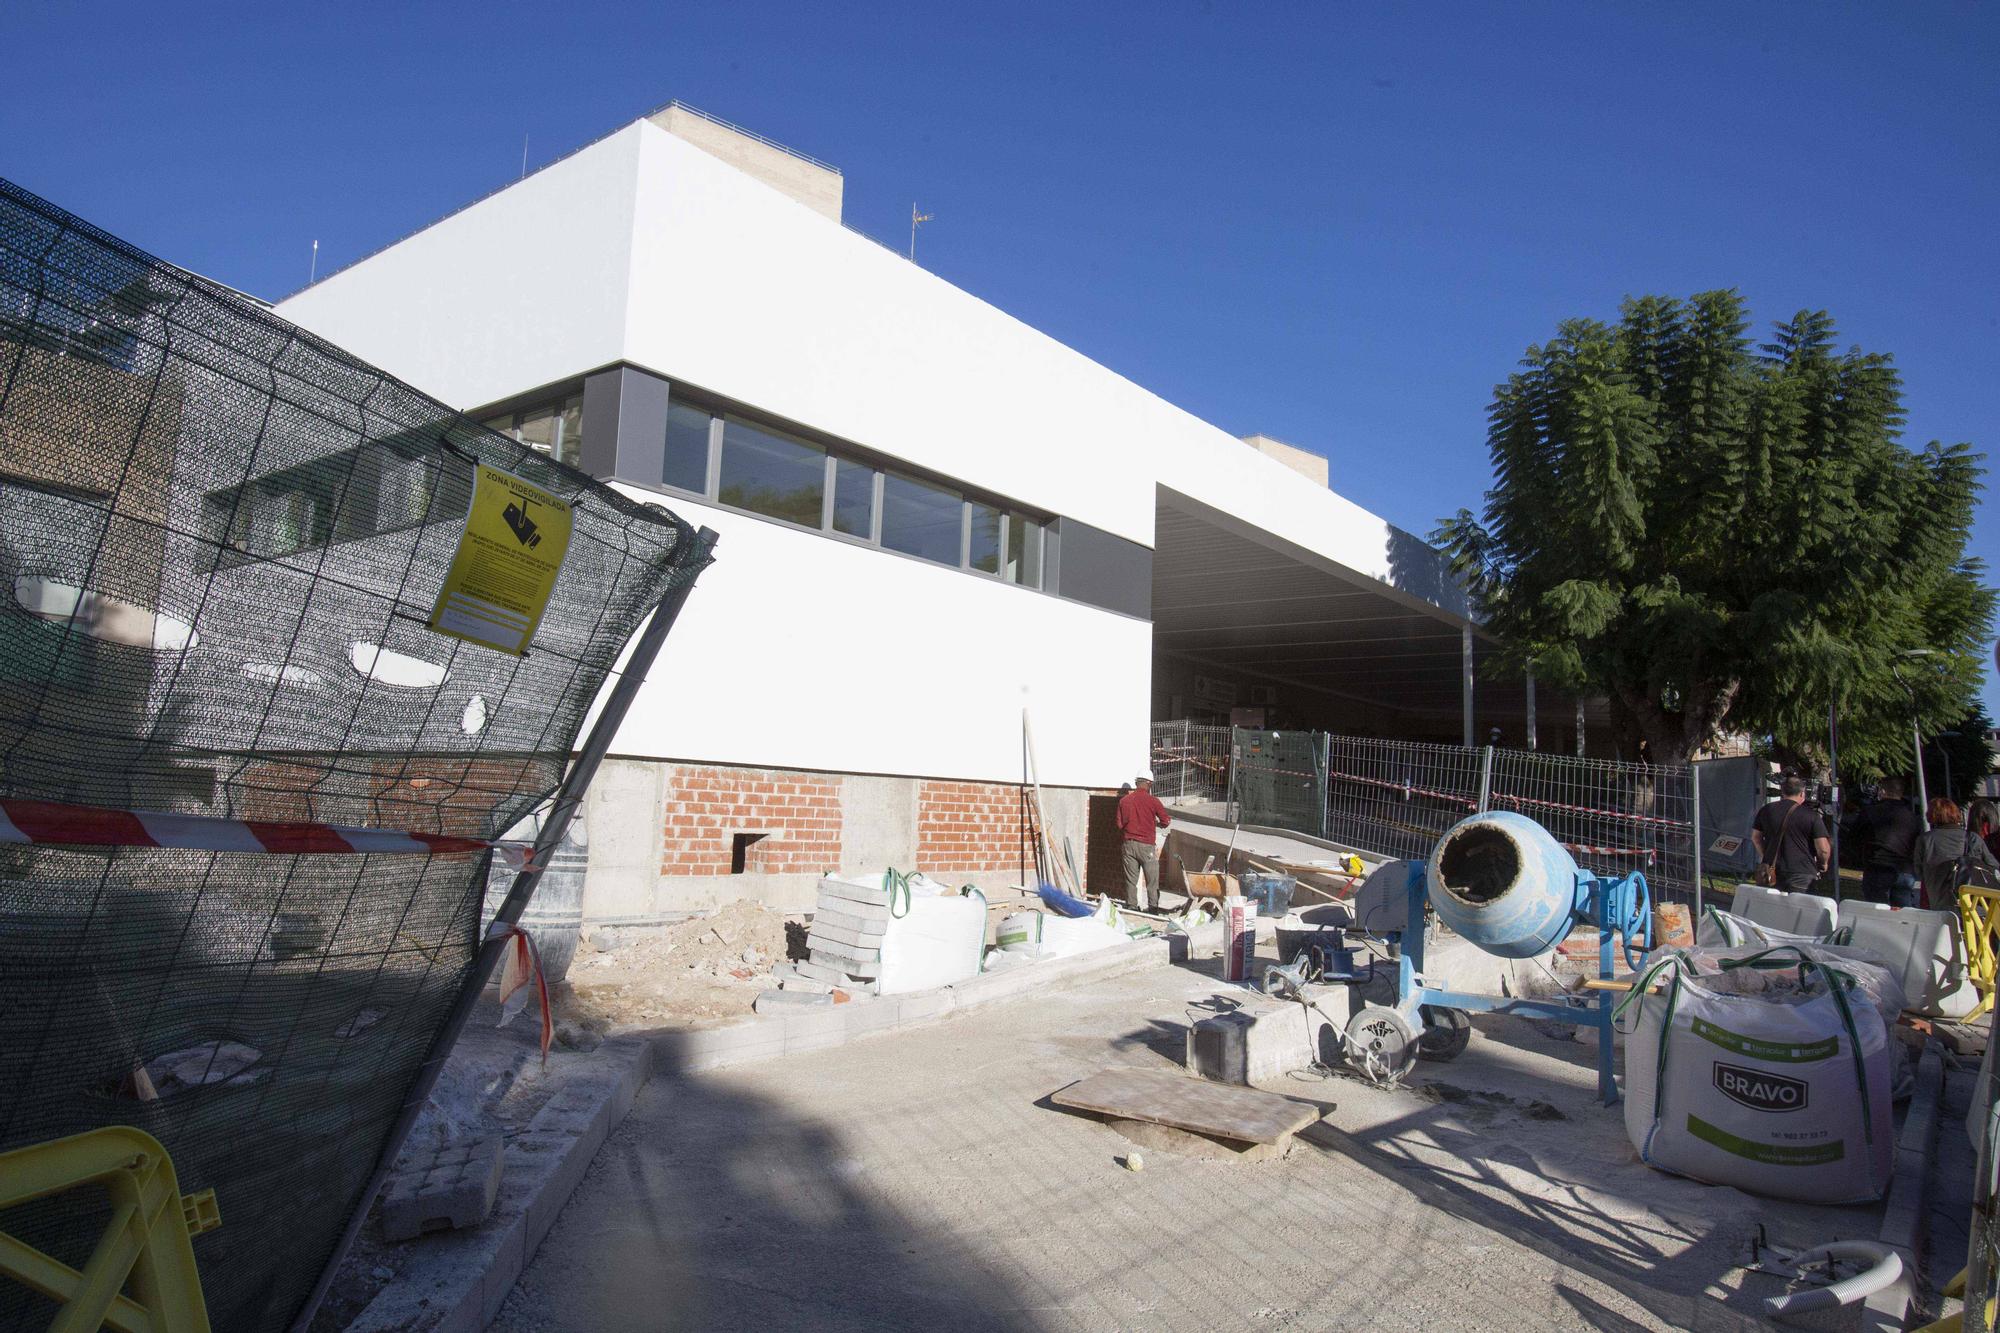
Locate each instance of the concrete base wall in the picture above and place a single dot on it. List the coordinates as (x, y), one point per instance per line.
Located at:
(663, 836)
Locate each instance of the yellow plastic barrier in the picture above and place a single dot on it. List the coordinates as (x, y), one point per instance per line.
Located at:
(1979, 917)
(1955, 1321)
(146, 1243)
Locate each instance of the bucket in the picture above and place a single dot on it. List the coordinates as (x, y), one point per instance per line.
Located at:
(554, 915)
(1273, 893)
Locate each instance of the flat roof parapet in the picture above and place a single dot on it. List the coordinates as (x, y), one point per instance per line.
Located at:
(814, 183)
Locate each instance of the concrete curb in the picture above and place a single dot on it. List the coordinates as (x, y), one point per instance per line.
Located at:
(1906, 1211)
(773, 1035)
(458, 1280)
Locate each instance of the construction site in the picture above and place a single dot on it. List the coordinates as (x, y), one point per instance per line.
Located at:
(536, 796)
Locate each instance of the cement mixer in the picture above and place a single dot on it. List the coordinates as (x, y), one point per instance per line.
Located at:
(1501, 882)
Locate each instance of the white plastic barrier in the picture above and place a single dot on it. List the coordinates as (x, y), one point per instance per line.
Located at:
(1735, 1078)
(1794, 913)
(939, 940)
(1924, 948)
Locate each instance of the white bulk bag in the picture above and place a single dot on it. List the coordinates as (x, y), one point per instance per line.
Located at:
(1718, 929)
(940, 938)
(1737, 1078)
(1046, 935)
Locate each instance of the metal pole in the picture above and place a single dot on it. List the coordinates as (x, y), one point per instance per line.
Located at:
(1694, 779)
(1485, 778)
(1833, 775)
(568, 798)
(1325, 785)
(1579, 726)
(1923, 797)
(1531, 710)
(1465, 661)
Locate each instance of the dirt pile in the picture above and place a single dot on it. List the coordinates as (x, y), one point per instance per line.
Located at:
(695, 973)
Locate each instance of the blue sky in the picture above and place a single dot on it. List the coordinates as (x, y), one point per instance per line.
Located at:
(1337, 224)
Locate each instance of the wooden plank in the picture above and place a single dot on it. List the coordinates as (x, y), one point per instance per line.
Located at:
(1168, 1097)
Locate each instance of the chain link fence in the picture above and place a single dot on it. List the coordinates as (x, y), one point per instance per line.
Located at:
(1190, 762)
(1397, 798)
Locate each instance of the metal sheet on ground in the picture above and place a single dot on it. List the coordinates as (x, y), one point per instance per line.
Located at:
(1164, 1097)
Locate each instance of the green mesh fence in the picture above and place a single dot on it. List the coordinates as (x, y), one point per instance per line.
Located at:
(220, 542)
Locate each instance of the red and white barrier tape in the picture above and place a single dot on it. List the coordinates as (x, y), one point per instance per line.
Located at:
(522, 964)
(54, 822)
(1625, 816)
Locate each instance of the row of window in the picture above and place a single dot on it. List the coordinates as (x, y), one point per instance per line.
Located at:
(555, 428)
(732, 462)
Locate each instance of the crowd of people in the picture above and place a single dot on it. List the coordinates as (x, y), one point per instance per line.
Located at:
(1902, 863)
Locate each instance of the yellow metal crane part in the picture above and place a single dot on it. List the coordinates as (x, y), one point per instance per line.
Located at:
(146, 1243)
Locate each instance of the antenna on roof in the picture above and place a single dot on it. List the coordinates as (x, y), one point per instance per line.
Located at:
(915, 218)
(524, 155)
(312, 274)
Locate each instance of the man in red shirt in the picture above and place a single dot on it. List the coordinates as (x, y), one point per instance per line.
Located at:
(1140, 817)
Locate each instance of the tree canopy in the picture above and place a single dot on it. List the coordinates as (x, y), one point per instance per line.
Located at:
(1721, 536)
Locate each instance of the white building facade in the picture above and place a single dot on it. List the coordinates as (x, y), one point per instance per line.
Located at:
(931, 516)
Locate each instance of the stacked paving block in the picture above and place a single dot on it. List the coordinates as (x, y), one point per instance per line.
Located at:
(846, 938)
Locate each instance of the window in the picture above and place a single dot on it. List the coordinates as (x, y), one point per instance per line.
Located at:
(921, 520)
(555, 428)
(379, 487)
(686, 463)
(771, 475)
(986, 534)
(1024, 551)
(729, 461)
(854, 498)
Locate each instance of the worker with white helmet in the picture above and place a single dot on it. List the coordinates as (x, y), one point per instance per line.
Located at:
(1140, 818)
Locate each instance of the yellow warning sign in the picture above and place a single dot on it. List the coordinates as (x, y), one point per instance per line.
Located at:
(516, 535)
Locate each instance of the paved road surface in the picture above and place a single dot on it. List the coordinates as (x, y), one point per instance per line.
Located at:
(920, 1181)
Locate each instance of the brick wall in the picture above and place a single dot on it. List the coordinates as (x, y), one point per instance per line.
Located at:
(707, 807)
(969, 826)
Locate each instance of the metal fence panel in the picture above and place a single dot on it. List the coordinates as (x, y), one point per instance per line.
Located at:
(1613, 817)
(1280, 779)
(1190, 762)
(1396, 798)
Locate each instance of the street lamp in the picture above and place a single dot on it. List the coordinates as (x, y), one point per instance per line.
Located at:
(1916, 734)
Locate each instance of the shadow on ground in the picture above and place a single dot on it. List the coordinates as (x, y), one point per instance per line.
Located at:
(712, 1209)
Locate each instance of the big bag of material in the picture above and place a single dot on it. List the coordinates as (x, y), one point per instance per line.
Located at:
(1769, 1072)
(939, 938)
(1718, 929)
(1045, 935)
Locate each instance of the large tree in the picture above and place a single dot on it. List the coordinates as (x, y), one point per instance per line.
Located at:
(1715, 535)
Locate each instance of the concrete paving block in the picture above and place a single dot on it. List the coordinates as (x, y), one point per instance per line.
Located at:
(874, 1015)
(814, 1032)
(990, 986)
(510, 1256)
(923, 1005)
(442, 1189)
(1268, 1039)
(788, 1001)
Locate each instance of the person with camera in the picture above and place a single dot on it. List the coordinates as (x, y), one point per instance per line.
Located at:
(1793, 845)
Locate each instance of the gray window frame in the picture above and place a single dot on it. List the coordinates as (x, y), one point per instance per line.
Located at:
(1010, 513)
